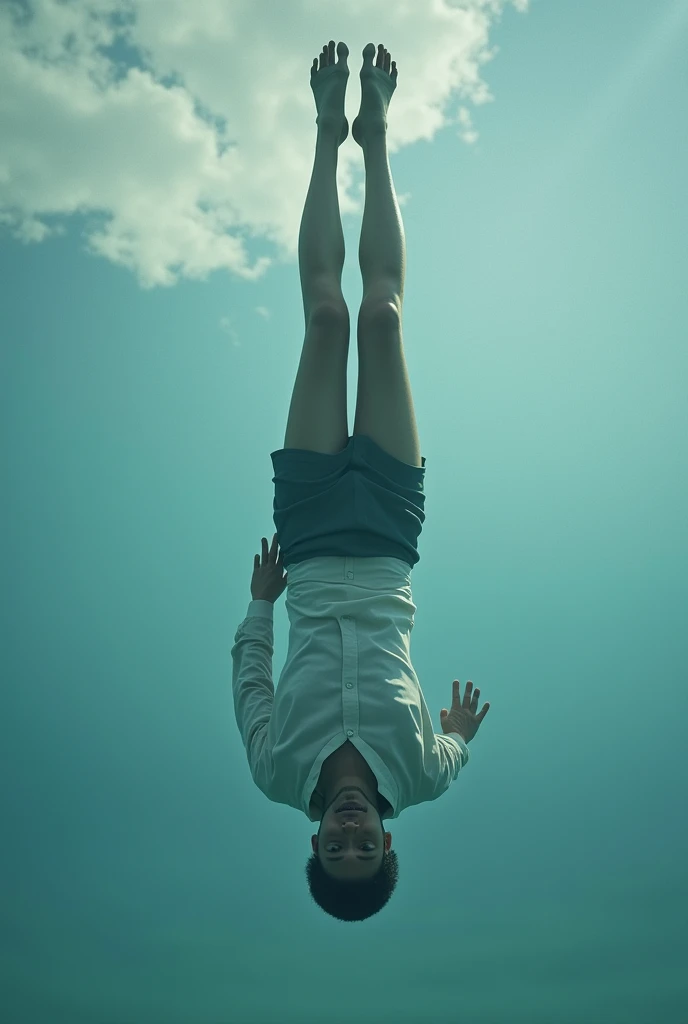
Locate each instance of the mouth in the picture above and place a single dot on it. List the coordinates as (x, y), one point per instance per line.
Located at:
(350, 806)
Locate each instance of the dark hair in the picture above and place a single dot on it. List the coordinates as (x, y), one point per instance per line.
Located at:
(352, 900)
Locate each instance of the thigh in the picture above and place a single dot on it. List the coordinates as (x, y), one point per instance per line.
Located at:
(317, 418)
(384, 404)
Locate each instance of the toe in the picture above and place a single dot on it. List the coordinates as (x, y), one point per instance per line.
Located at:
(342, 52)
(369, 53)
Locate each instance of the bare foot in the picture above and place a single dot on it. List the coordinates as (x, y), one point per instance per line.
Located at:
(378, 83)
(329, 88)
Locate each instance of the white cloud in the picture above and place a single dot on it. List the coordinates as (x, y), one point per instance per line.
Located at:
(468, 132)
(207, 142)
(227, 327)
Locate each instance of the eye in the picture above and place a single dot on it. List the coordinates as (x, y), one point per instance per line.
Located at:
(367, 847)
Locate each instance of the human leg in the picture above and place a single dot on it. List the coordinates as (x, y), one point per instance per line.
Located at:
(317, 417)
(384, 405)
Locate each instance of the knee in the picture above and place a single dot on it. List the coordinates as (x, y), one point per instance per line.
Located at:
(379, 320)
(382, 312)
(330, 312)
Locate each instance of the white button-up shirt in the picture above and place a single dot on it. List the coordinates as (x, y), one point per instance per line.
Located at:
(348, 676)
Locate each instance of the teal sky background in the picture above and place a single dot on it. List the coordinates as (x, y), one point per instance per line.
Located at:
(146, 878)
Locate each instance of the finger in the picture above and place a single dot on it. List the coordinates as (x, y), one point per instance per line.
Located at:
(474, 702)
(483, 712)
(265, 549)
(467, 694)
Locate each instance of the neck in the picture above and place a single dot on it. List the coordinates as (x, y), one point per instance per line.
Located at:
(351, 787)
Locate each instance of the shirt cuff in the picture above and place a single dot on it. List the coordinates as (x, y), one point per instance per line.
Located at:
(261, 609)
(459, 740)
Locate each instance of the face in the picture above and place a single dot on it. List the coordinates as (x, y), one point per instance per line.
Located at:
(351, 843)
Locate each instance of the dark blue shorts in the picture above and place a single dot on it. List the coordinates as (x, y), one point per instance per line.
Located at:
(360, 501)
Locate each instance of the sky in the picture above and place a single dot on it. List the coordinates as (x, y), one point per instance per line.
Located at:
(154, 161)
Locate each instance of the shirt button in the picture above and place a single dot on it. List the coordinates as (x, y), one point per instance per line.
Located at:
(349, 732)
(349, 685)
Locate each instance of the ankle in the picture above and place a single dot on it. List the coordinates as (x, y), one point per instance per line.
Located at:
(374, 139)
(330, 133)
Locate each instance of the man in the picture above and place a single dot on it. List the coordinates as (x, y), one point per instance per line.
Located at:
(347, 737)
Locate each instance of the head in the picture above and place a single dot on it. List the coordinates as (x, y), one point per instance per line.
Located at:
(352, 871)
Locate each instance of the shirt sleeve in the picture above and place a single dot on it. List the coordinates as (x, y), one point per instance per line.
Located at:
(253, 689)
(459, 741)
(453, 755)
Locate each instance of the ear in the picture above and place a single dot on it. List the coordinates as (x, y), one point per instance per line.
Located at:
(314, 844)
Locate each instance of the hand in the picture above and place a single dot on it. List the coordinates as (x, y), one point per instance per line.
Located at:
(267, 582)
(462, 718)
